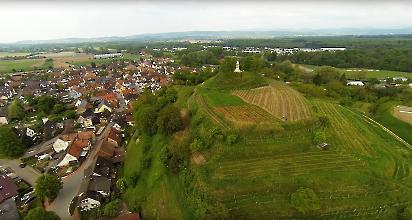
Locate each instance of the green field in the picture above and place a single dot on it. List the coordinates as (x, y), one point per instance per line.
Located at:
(12, 54)
(7, 66)
(359, 73)
(365, 174)
(385, 117)
(126, 57)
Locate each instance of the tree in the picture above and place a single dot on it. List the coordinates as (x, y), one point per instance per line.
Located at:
(305, 200)
(48, 186)
(317, 80)
(146, 119)
(45, 103)
(10, 144)
(93, 64)
(15, 110)
(169, 120)
(40, 214)
(112, 208)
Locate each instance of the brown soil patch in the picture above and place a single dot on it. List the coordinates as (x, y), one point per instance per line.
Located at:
(404, 116)
(244, 115)
(62, 62)
(198, 158)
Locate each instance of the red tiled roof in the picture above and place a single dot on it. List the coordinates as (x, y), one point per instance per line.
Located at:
(115, 135)
(77, 146)
(106, 149)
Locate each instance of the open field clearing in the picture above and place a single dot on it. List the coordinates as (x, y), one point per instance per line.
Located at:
(279, 100)
(13, 54)
(403, 113)
(64, 60)
(8, 66)
(360, 73)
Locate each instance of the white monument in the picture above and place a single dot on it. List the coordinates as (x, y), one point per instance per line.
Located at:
(237, 70)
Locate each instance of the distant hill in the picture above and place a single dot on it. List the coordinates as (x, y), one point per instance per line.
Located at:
(209, 35)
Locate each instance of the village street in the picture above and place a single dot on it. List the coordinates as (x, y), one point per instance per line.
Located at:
(28, 173)
(72, 182)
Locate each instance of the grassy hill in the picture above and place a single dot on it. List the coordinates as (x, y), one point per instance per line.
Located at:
(252, 161)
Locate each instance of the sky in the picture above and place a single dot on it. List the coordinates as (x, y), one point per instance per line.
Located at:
(33, 20)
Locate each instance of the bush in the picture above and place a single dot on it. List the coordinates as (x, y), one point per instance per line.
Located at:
(112, 208)
(232, 139)
(169, 120)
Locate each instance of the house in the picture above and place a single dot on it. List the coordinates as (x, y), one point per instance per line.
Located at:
(89, 200)
(30, 133)
(355, 83)
(8, 188)
(82, 106)
(3, 116)
(60, 145)
(8, 210)
(106, 149)
(96, 184)
(78, 149)
(103, 106)
(5, 93)
(8, 192)
(115, 137)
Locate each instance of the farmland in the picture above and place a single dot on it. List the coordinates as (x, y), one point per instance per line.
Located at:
(279, 100)
(359, 73)
(13, 54)
(259, 177)
(7, 66)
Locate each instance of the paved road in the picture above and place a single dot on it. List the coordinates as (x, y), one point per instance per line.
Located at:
(72, 182)
(28, 173)
(47, 145)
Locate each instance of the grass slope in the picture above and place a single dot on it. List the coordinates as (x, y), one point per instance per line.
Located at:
(365, 173)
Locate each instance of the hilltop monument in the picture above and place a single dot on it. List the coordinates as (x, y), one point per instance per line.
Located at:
(237, 70)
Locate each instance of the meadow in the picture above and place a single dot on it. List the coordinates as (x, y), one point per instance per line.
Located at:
(359, 73)
(8, 66)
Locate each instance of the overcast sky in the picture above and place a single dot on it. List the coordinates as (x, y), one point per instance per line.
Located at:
(25, 20)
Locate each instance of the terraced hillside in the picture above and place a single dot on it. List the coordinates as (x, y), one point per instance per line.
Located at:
(364, 174)
(279, 100)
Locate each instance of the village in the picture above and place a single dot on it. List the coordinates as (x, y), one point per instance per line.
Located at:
(83, 143)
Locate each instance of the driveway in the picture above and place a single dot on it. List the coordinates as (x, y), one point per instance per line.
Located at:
(28, 173)
(72, 182)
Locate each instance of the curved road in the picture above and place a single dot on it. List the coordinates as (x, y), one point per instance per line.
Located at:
(72, 182)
